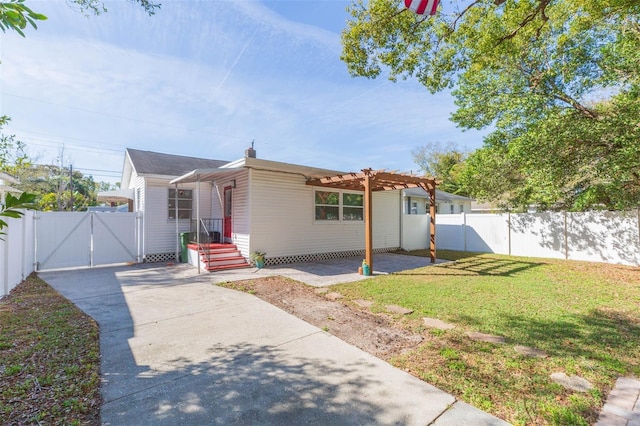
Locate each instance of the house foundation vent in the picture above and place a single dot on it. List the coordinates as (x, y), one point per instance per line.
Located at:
(159, 257)
(321, 256)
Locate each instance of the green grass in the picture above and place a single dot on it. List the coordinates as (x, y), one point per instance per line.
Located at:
(49, 359)
(585, 316)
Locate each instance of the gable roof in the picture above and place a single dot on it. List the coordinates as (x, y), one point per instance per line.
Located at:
(156, 163)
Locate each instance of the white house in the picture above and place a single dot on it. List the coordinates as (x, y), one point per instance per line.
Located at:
(416, 201)
(257, 206)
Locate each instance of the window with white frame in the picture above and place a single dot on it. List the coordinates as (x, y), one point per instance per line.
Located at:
(336, 206)
(185, 203)
(414, 207)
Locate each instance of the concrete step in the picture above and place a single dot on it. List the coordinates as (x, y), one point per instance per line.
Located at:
(236, 260)
(218, 253)
(212, 268)
(212, 247)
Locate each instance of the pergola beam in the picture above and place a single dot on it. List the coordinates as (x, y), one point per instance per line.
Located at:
(370, 181)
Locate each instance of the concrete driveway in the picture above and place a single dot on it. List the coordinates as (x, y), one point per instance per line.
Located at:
(176, 349)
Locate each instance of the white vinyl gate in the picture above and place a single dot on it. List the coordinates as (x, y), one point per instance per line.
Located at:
(74, 239)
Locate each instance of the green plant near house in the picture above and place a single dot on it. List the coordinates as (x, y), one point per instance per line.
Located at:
(12, 206)
(257, 257)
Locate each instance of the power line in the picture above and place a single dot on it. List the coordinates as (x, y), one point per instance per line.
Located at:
(116, 147)
(73, 147)
(98, 170)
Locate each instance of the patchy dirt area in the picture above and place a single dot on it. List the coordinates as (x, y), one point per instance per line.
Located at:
(49, 359)
(379, 334)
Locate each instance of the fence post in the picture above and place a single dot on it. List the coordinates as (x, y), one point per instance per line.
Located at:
(138, 232)
(566, 238)
(35, 242)
(509, 230)
(90, 239)
(4, 277)
(24, 245)
(464, 230)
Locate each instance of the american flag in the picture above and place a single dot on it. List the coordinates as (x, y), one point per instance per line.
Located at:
(422, 7)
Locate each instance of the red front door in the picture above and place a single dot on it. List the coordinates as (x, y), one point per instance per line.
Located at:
(227, 214)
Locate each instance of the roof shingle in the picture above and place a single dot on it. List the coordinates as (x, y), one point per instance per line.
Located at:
(156, 163)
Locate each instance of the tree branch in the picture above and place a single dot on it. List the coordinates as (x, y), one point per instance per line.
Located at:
(540, 9)
(575, 104)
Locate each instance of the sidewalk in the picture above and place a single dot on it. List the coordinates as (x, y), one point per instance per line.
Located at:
(176, 349)
(623, 404)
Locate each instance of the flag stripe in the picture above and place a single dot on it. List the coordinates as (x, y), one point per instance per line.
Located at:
(422, 7)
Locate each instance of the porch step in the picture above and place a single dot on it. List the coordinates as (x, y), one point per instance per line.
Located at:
(212, 268)
(217, 256)
(220, 252)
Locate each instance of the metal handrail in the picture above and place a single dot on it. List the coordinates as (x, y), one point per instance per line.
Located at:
(210, 232)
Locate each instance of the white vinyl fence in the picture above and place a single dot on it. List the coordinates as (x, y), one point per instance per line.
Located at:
(611, 237)
(16, 252)
(49, 240)
(76, 239)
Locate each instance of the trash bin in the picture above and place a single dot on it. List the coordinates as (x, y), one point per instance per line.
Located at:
(184, 240)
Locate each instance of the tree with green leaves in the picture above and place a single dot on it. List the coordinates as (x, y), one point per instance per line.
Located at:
(16, 16)
(59, 190)
(443, 163)
(13, 206)
(13, 153)
(558, 80)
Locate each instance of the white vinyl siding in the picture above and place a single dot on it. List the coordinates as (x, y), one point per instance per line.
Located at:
(160, 231)
(283, 219)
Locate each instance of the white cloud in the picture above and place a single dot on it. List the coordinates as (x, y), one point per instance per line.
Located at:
(204, 79)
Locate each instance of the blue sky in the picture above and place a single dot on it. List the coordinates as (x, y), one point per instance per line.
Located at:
(204, 79)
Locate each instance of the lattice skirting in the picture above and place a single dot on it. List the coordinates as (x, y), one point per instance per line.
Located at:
(159, 257)
(321, 256)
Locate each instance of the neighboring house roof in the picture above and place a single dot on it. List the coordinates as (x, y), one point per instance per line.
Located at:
(156, 163)
(116, 196)
(441, 196)
(6, 179)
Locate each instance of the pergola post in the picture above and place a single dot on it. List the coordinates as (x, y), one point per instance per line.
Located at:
(432, 226)
(175, 201)
(198, 218)
(368, 220)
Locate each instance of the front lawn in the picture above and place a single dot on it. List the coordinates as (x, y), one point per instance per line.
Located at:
(49, 359)
(584, 316)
